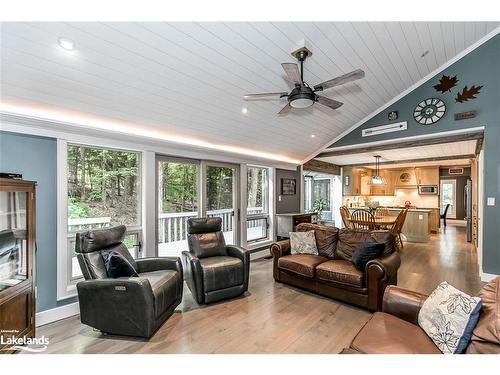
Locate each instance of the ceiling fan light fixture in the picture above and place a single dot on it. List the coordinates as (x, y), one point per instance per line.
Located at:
(301, 103)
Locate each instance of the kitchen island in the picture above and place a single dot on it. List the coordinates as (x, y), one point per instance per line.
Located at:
(417, 224)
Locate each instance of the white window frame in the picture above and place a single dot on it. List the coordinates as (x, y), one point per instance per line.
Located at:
(269, 205)
(66, 283)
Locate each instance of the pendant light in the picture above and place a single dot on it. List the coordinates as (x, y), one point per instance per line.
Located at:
(377, 179)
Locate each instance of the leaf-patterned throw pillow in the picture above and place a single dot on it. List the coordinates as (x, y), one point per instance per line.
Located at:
(449, 316)
(303, 243)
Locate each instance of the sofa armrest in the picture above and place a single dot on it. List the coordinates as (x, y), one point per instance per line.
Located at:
(244, 255)
(403, 303)
(380, 273)
(121, 306)
(388, 265)
(280, 248)
(159, 263)
(193, 275)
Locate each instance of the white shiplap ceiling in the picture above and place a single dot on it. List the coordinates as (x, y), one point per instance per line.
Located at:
(188, 79)
(408, 153)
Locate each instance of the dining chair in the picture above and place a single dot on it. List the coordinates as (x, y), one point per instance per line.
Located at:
(398, 226)
(345, 214)
(381, 212)
(363, 219)
(443, 215)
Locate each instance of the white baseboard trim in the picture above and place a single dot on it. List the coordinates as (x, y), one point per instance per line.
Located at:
(58, 313)
(487, 276)
(260, 254)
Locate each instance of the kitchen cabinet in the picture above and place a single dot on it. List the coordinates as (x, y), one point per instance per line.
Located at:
(359, 185)
(406, 178)
(388, 188)
(427, 176)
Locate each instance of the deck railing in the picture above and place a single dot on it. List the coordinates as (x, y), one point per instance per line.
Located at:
(172, 226)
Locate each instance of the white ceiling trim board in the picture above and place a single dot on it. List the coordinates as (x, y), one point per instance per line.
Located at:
(404, 93)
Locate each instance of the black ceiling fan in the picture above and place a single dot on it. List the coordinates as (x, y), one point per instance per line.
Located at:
(303, 96)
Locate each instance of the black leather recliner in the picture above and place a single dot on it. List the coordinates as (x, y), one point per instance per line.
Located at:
(130, 306)
(213, 270)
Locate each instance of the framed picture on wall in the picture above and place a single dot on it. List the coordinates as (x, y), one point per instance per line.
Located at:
(288, 186)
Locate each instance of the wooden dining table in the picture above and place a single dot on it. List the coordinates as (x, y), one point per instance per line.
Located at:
(380, 221)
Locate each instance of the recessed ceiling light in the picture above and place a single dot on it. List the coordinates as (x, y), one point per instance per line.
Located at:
(313, 135)
(244, 110)
(66, 44)
(425, 53)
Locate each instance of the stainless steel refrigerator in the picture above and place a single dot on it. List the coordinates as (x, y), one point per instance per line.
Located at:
(468, 209)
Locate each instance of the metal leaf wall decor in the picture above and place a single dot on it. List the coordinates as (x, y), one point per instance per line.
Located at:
(446, 83)
(468, 93)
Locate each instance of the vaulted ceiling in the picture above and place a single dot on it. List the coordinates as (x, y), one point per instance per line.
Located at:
(188, 79)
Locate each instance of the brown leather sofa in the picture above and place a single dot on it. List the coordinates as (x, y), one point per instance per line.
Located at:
(331, 273)
(395, 330)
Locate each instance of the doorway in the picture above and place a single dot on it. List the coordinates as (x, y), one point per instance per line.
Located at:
(189, 188)
(448, 195)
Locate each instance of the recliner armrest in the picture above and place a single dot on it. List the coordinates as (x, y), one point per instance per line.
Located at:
(244, 255)
(193, 275)
(403, 303)
(159, 263)
(238, 252)
(280, 248)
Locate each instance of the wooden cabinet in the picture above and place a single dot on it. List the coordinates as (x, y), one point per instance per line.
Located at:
(17, 260)
(427, 176)
(434, 220)
(388, 188)
(359, 185)
(287, 223)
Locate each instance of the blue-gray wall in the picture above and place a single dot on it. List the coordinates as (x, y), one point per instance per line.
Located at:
(480, 67)
(35, 158)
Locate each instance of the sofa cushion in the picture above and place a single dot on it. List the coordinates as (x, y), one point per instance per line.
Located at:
(387, 238)
(303, 243)
(326, 238)
(370, 249)
(387, 334)
(340, 271)
(165, 284)
(449, 316)
(301, 264)
(350, 240)
(220, 272)
(486, 335)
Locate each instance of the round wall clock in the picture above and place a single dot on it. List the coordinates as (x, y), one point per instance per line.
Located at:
(429, 111)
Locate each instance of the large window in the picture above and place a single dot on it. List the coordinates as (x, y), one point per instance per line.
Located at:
(177, 202)
(257, 203)
(103, 190)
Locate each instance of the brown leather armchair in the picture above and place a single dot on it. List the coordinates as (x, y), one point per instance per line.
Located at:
(214, 270)
(331, 273)
(395, 330)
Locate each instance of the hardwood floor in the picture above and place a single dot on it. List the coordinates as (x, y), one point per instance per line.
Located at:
(273, 317)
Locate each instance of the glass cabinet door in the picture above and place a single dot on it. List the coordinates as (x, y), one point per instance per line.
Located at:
(13, 238)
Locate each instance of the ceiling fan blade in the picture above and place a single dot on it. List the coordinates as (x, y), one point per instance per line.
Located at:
(285, 109)
(340, 80)
(333, 104)
(265, 95)
(292, 73)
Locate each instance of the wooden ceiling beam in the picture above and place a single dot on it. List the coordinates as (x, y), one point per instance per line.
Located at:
(321, 167)
(406, 144)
